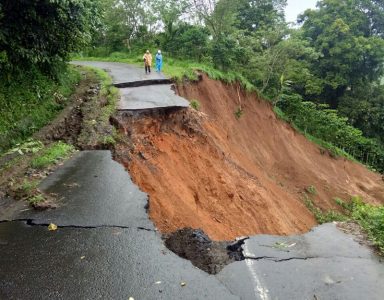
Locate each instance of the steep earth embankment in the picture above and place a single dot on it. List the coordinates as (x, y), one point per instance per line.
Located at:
(233, 177)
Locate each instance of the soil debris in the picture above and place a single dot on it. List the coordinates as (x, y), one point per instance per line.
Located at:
(233, 176)
(207, 255)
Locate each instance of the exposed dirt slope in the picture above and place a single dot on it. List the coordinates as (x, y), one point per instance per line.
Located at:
(233, 177)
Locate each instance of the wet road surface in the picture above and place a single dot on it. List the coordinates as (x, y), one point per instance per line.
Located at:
(322, 264)
(143, 97)
(105, 247)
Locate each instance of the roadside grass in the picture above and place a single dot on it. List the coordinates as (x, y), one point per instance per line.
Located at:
(23, 167)
(31, 101)
(369, 217)
(32, 161)
(97, 131)
(52, 154)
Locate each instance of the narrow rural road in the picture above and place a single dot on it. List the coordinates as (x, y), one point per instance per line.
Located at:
(107, 248)
(144, 91)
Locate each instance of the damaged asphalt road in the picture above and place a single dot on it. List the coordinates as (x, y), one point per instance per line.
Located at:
(322, 264)
(139, 90)
(105, 247)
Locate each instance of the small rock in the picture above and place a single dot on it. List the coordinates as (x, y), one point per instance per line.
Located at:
(52, 227)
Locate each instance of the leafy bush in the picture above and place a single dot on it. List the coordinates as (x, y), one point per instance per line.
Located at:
(370, 217)
(325, 124)
(31, 101)
(195, 104)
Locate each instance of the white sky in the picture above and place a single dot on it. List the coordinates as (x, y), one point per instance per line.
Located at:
(296, 7)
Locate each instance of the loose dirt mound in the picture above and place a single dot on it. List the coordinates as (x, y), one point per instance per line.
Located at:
(233, 177)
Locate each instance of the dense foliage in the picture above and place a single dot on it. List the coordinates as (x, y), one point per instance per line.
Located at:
(36, 40)
(322, 122)
(29, 102)
(42, 33)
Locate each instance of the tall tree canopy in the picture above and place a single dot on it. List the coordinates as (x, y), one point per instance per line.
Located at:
(43, 32)
(348, 34)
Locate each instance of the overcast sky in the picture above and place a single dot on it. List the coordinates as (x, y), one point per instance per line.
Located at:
(296, 7)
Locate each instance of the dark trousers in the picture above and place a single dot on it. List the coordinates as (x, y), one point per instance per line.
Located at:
(147, 69)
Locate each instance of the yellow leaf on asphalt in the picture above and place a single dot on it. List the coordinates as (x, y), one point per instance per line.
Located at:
(52, 227)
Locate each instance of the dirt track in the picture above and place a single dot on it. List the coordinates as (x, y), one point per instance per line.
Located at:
(233, 177)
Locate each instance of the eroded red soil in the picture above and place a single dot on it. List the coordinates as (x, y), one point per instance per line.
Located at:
(233, 177)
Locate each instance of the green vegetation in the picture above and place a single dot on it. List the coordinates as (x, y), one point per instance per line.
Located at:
(195, 104)
(97, 130)
(239, 113)
(321, 216)
(323, 123)
(369, 217)
(48, 32)
(52, 155)
(311, 190)
(30, 102)
(36, 199)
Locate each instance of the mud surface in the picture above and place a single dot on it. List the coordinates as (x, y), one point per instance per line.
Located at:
(233, 177)
(207, 255)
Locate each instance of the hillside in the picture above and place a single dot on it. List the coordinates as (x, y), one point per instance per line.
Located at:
(234, 176)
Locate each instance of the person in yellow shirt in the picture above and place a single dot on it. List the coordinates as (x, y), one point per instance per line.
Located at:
(147, 62)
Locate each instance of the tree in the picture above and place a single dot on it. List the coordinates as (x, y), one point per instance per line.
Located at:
(50, 30)
(169, 13)
(257, 14)
(348, 34)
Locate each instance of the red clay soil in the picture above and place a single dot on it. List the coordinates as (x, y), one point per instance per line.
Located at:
(234, 177)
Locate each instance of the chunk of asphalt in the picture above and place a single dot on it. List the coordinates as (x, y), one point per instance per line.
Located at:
(207, 255)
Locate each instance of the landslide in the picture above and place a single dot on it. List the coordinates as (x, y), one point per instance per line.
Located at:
(233, 176)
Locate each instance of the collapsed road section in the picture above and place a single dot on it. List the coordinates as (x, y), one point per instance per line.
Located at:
(208, 176)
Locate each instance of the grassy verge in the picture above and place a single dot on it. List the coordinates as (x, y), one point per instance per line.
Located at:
(32, 162)
(97, 131)
(369, 217)
(30, 102)
(87, 117)
(52, 154)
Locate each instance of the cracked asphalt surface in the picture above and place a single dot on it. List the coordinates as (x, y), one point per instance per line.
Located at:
(322, 264)
(105, 246)
(139, 97)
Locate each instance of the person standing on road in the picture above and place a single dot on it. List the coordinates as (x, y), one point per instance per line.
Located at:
(159, 61)
(147, 62)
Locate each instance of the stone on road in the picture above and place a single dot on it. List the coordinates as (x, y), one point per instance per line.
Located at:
(138, 98)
